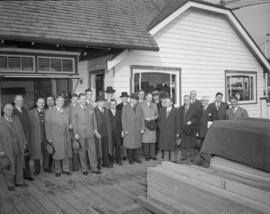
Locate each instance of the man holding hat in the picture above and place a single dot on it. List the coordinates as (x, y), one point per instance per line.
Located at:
(105, 129)
(133, 127)
(110, 95)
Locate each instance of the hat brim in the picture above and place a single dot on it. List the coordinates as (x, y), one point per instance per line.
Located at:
(109, 92)
(124, 96)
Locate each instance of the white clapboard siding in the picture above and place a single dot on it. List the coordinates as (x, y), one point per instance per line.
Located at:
(203, 45)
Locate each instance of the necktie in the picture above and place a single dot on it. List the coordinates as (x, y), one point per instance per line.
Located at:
(167, 113)
(61, 110)
(218, 106)
(102, 110)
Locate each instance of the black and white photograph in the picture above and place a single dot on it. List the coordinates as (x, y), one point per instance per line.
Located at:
(134, 106)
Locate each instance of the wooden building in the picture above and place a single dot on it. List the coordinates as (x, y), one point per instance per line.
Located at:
(172, 45)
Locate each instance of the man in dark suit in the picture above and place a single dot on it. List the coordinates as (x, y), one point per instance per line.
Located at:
(22, 113)
(124, 97)
(115, 117)
(219, 106)
(189, 118)
(157, 101)
(104, 128)
(194, 101)
(208, 116)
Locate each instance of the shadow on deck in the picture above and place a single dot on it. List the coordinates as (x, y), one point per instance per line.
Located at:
(76, 194)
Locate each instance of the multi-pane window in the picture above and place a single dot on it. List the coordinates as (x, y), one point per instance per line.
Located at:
(55, 64)
(14, 63)
(241, 85)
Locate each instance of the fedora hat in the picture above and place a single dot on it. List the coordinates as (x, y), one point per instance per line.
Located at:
(100, 98)
(76, 145)
(4, 163)
(110, 90)
(124, 94)
(50, 149)
(134, 96)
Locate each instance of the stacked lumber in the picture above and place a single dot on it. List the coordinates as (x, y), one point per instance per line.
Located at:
(192, 189)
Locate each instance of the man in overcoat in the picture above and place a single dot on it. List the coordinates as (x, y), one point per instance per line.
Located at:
(133, 127)
(12, 146)
(104, 128)
(189, 117)
(38, 138)
(115, 118)
(169, 128)
(57, 122)
(149, 137)
(84, 128)
(22, 113)
(236, 112)
(219, 106)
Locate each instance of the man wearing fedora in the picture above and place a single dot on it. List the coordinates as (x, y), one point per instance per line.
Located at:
(189, 117)
(124, 97)
(84, 124)
(12, 146)
(104, 128)
(133, 127)
(109, 95)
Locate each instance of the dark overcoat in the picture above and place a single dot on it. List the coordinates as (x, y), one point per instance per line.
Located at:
(221, 111)
(57, 124)
(209, 114)
(133, 123)
(169, 128)
(38, 136)
(193, 115)
(6, 142)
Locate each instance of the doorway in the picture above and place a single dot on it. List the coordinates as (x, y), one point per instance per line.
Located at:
(99, 80)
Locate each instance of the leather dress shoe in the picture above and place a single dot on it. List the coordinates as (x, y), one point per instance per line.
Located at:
(138, 161)
(21, 185)
(153, 158)
(67, 173)
(120, 163)
(11, 189)
(29, 178)
(131, 162)
(57, 174)
(97, 172)
(85, 173)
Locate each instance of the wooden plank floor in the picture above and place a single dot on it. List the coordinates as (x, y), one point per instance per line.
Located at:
(116, 188)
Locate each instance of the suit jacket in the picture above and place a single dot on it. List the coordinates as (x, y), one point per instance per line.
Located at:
(169, 128)
(38, 136)
(116, 123)
(240, 113)
(221, 111)
(209, 114)
(83, 121)
(108, 127)
(193, 115)
(56, 125)
(24, 118)
(6, 142)
(133, 123)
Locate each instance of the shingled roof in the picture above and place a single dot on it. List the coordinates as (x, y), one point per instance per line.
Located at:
(98, 23)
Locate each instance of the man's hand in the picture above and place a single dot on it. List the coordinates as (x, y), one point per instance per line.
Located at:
(2, 154)
(76, 136)
(197, 134)
(70, 126)
(142, 131)
(122, 134)
(97, 134)
(126, 132)
(189, 123)
(177, 136)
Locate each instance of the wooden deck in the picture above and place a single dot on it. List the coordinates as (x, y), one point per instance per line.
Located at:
(115, 188)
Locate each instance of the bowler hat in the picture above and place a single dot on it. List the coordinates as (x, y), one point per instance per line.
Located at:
(76, 145)
(188, 129)
(134, 96)
(4, 163)
(100, 98)
(124, 94)
(50, 149)
(110, 90)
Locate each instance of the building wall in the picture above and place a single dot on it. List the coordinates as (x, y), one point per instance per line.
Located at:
(203, 45)
(84, 78)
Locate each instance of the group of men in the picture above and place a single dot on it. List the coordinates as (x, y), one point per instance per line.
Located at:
(89, 135)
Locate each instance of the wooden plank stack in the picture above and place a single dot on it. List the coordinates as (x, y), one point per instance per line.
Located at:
(192, 189)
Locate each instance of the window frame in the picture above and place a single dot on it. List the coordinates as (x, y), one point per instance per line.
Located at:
(8, 70)
(246, 73)
(50, 65)
(135, 69)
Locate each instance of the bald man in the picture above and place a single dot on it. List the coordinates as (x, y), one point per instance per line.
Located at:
(12, 145)
(22, 114)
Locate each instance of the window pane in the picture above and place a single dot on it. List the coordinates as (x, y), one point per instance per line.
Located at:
(241, 86)
(136, 82)
(56, 65)
(14, 63)
(67, 65)
(43, 64)
(27, 64)
(3, 62)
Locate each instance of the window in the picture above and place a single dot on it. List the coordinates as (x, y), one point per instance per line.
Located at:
(150, 78)
(14, 63)
(243, 85)
(56, 64)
